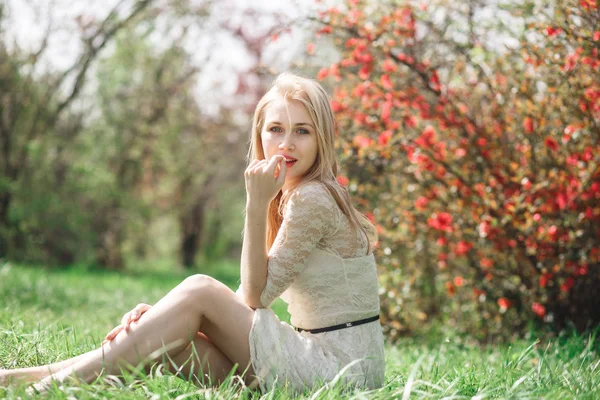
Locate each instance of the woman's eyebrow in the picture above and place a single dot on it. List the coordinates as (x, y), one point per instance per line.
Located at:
(298, 124)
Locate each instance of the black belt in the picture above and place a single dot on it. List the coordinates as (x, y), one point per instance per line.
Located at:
(340, 326)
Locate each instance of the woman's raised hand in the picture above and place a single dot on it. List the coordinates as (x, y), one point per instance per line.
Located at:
(264, 180)
(127, 319)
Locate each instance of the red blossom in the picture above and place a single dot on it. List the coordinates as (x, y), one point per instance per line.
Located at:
(323, 72)
(568, 284)
(362, 141)
(450, 288)
(441, 221)
(310, 48)
(325, 30)
(544, 279)
(460, 152)
(538, 309)
(389, 65)
(421, 203)
(386, 111)
(458, 281)
(336, 106)
(386, 82)
(551, 31)
(463, 248)
(528, 125)
(342, 180)
(551, 143)
(427, 138)
(486, 263)
(588, 4)
(384, 137)
(504, 303)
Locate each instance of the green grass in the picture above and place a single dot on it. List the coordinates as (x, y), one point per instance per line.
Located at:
(49, 315)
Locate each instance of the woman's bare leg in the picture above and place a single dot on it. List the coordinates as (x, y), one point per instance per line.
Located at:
(187, 364)
(32, 374)
(200, 303)
(202, 362)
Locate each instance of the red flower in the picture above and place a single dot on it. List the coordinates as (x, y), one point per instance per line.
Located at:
(386, 82)
(441, 221)
(504, 303)
(551, 31)
(384, 137)
(538, 309)
(421, 203)
(427, 138)
(586, 4)
(544, 279)
(389, 66)
(568, 284)
(486, 263)
(484, 229)
(325, 30)
(596, 36)
(310, 48)
(323, 72)
(528, 125)
(450, 288)
(386, 111)
(459, 281)
(370, 216)
(460, 152)
(463, 248)
(362, 141)
(342, 180)
(551, 143)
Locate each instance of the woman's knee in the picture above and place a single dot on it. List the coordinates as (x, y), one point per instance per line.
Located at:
(200, 288)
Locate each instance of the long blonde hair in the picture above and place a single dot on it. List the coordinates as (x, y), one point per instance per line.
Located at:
(312, 95)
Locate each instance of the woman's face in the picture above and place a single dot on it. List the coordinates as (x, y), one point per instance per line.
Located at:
(289, 131)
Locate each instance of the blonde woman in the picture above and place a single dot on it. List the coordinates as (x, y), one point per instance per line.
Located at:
(303, 242)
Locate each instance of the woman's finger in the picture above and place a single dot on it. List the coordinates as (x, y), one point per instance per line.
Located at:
(139, 310)
(114, 332)
(258, 165)
(125, 319)
(282, 171)
(272, 164)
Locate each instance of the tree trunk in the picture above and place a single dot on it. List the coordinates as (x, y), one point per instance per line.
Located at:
(110, 254)
(429, 274)
(192, 226)
(5, 199)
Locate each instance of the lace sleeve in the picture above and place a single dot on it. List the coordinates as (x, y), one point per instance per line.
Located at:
(309, 215)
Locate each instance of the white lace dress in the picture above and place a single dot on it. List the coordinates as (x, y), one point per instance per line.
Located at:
(320, 268)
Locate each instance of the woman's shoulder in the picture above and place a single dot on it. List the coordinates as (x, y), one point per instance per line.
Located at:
(313, 191)
(312, 195)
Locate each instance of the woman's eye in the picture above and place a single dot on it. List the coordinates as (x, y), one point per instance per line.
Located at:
(303, 131)
(276, 129)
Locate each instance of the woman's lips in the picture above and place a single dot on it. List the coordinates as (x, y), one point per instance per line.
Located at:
(290, 163)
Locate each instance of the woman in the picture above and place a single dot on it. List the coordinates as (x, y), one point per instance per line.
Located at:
(319, 260)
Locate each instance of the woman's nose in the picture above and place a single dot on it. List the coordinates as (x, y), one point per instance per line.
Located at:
(287, 142)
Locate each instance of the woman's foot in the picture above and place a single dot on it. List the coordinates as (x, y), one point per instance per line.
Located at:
(6, 378)
(10, 377)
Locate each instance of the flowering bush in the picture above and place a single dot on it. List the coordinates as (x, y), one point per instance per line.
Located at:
(478, 161)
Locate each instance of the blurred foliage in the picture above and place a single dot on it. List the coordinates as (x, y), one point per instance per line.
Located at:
(134, 169)
(470, 135)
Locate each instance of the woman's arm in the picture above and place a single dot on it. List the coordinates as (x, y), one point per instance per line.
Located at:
(262, 185)
(253, 268)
